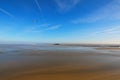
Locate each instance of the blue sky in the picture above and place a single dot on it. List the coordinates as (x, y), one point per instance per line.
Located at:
(64, 21)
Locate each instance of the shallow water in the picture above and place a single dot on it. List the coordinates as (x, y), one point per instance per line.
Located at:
(16, 48)
(9, 52)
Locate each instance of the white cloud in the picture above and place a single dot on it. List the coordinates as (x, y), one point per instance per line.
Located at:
(39, 26)
(53, 27)
(6, 12)
(43, 28)
(39, 7)
(109, 31)
(113, 29)
(65, 5)
(111, 11)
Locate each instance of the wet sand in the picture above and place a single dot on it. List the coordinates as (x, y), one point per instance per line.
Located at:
(109, 48)
(60, 65)
(1, 52)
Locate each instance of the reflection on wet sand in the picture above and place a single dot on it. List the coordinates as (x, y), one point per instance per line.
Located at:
(109, 48)
(1, 52)
(59, 65)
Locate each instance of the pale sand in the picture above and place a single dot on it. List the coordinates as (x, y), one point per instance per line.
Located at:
(62, 65)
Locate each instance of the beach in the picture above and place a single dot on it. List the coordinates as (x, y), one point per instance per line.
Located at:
(58, 64)
(109, 48)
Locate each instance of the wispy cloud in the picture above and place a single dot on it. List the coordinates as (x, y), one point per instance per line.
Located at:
(113, 30)
(111, 11)
(39, 7)
(6, 12)
(43, 28)
(37, 27)
(53, 27)
(65, 5)
(109, 31)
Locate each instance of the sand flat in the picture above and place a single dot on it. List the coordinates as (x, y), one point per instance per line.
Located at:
(108, 48)
(60, 65)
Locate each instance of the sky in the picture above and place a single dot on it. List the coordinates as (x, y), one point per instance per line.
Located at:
(60, 21)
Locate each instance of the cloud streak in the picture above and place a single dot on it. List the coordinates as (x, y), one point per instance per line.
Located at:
(43, 28)
(53, 27)
(111, 11)
(66, 5)
(39, 7)
(6, 12)
(110, 31)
